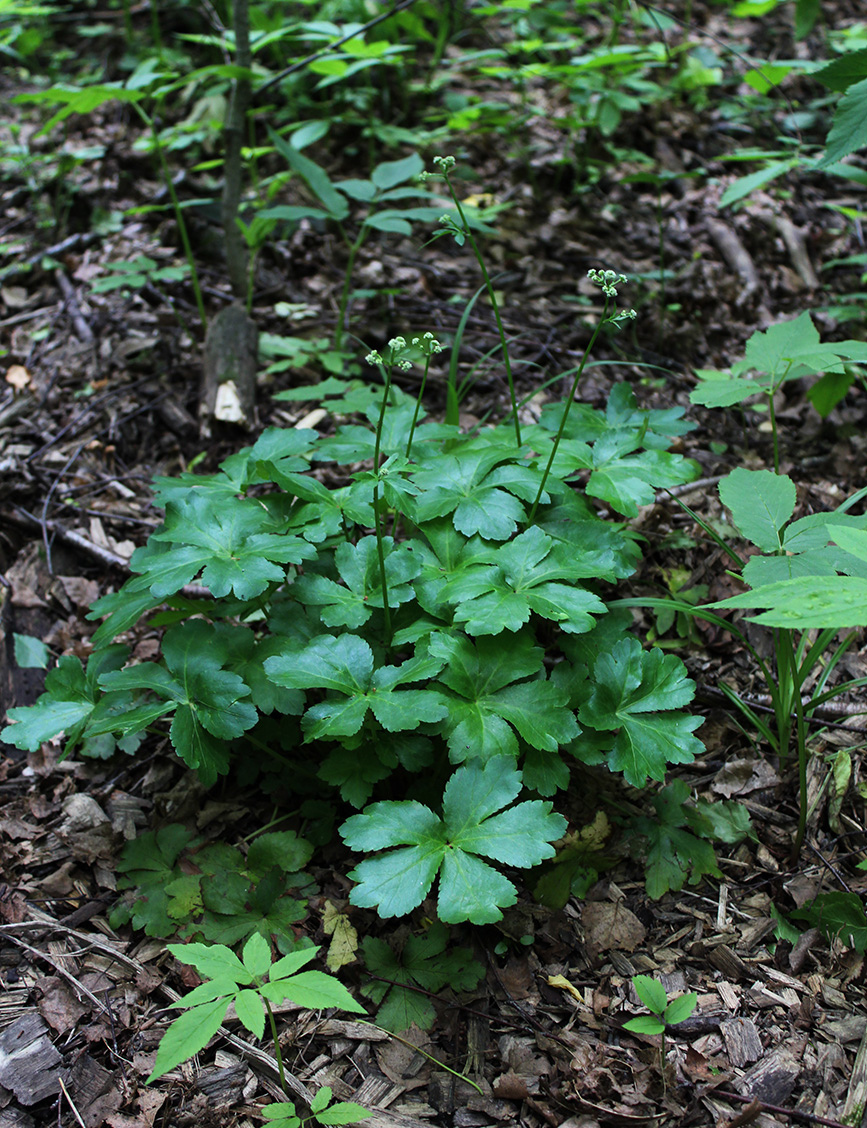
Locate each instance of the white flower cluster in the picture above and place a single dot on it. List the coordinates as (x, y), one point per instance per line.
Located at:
(427, 344)
(608, 280)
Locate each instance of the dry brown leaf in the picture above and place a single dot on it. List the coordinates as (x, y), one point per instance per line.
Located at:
(608, 925)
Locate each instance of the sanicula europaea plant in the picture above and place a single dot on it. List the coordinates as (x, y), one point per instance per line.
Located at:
(466, 658)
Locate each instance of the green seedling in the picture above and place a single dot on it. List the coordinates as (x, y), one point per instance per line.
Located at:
(136, 274)
(664, 1013)
(252, 983)
(810, 579)
(786, 351)
(282, 1114)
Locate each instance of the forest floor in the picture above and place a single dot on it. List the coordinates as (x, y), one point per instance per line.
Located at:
(101, 395)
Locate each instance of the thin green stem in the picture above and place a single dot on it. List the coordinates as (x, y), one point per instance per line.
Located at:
(417, 407)
(377, 517)
(179, 215)
(566, 408)
(277, 1052)
(801, 739)
(424, 1053)
(494, 305)
(773, 418)
(786, 689)
(354, 248)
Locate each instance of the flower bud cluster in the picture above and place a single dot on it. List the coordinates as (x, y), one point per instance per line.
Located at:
(608, 280)
(427, 345)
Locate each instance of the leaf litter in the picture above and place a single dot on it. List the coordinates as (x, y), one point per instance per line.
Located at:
(540, 1031)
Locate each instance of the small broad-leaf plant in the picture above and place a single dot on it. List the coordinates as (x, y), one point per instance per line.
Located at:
(424, 626)
(251, 984)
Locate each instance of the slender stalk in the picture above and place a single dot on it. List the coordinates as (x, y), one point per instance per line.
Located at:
(237, 255)
(277, 1052)
(377, 518)
(179, 215)
(494, 304)
(417, 407)
(786, 689)
(801, 739)
(569, 401)
(773, 418)
(424, 1053)
(354, 248)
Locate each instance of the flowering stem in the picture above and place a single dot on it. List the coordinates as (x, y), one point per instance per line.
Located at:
(569, 401)
(607, 280)
(377, 521)
(445, 168)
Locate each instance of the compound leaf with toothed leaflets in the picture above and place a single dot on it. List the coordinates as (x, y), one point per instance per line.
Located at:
(490, 703)
(633, 692)
(670, 851)
(235, 546)
(344, 666)
(511, 581)
(481, 495)
(74, 705)
(474, 825)
(351, 603)
(427, 961)
(209, 701)
(246, 982)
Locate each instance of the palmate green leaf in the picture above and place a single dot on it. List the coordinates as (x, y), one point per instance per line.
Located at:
(670, 852)
(209, 702)
(344, 665)
(70, 700)
(485, 707)
(599, 550)
(840, 916)
(515, 579)
(632, 693)
(469, 889)
(230, 542)
(627, 480)
(355, 774)
(358, 565)
(282, 848)
(427, 961)
(481, 496)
